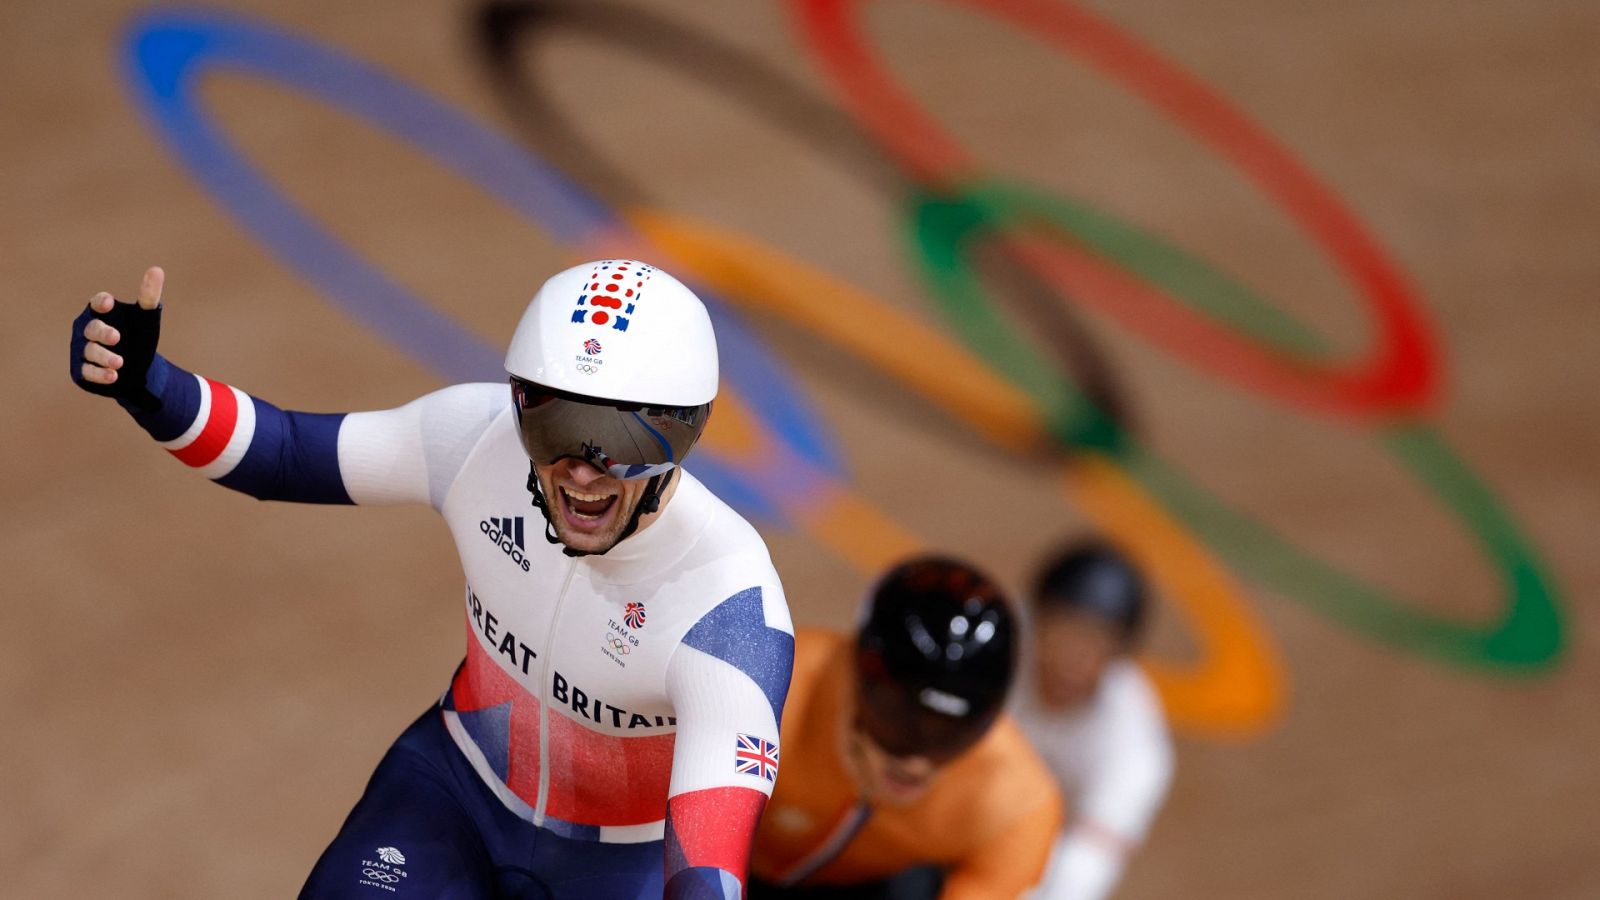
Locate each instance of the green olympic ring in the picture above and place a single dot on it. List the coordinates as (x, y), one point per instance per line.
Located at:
(1527, 637)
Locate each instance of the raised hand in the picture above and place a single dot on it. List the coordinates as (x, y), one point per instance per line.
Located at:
(133, 328)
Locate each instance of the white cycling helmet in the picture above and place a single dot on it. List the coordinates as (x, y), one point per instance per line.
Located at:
(614, 363)
(618, 330)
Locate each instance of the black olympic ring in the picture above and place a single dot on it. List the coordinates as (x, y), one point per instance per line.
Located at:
(501, 25)
(385, 877)
(617, 643)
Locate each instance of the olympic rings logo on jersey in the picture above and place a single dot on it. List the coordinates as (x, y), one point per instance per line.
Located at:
(618, 645)
(385, 877)
(587, 368)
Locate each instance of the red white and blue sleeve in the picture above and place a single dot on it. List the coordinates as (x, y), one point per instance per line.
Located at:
(409, 454)
(727, 680)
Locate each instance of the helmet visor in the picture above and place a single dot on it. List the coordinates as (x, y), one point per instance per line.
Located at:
(629, 441)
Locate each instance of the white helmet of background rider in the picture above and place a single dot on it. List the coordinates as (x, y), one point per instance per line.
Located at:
(614, 363)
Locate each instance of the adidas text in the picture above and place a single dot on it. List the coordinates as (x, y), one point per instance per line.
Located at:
(507, 535)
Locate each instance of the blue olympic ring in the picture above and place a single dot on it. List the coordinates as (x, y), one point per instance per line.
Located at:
(165, 53)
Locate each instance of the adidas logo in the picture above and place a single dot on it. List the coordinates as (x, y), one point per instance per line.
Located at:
(507, 535)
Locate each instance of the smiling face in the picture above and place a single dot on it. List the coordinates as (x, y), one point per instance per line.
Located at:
(590, 510)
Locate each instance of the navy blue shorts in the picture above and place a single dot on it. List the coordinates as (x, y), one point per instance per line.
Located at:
(427, 826)
(919, 883)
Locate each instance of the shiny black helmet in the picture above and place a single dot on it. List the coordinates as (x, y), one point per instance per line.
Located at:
(1096, 578)
(934, 658)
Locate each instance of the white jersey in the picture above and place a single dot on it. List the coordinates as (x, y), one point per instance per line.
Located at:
(594, 687)
(1114, 760)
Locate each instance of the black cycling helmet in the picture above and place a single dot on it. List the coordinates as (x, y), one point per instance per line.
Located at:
(934, 658)
(1094, 577)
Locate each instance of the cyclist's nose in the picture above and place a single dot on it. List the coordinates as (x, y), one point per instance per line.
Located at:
(582, 473)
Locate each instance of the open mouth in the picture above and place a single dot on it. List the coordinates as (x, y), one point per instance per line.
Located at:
(586, 512)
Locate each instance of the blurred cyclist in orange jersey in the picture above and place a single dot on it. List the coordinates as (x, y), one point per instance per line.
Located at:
(901, 776)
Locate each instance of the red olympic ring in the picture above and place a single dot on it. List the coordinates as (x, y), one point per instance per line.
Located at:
(1401, 375)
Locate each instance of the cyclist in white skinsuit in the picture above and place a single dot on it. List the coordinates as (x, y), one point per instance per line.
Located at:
(1093, 717)
(613, 730)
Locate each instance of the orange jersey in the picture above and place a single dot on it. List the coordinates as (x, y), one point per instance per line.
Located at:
(988, 818)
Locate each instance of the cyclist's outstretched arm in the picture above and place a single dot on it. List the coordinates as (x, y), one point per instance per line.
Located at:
(727, 680)
(409, 454)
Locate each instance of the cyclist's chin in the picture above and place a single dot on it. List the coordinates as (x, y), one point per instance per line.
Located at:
(587, 543)
(898, 788)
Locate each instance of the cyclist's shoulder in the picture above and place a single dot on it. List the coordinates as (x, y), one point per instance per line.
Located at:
(1000, 779)
(723, 544)
(478, 400)
(1125, 686)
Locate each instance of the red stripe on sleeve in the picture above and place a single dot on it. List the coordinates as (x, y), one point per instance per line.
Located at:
(713, 827)
(218, 430)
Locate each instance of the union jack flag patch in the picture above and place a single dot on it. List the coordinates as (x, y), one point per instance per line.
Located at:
(754, 756)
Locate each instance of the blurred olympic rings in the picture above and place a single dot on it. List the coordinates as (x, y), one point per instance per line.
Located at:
(1400, 377)
(1529, 633)
(167, 51)
(617, 643)
(775, 465)
(1236, 685)
(506, 25)
(377, 875)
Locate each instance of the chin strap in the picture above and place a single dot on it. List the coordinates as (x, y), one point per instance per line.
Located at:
(649, 502)
(543, 506)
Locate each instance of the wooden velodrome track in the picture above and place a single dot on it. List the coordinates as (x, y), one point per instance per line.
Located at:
(196, 686)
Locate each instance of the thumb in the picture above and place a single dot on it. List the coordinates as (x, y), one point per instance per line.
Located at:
(150, 287)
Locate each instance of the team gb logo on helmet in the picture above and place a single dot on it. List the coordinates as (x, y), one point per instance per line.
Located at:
(609, 295)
